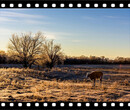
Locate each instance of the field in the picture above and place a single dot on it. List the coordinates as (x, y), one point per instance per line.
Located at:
(65, 83)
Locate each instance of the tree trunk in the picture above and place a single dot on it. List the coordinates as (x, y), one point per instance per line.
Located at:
(25, 63)
(51, 65)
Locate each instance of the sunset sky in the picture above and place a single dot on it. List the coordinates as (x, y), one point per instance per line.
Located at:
(97, 32)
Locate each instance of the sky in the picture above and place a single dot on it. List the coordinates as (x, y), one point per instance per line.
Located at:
(96, 32)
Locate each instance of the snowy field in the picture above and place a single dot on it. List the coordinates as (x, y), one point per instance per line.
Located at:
(65, 83)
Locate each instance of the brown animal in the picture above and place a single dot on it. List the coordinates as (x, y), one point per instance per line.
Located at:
(95, 75)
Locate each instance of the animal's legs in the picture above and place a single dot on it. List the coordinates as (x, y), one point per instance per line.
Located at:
(100, 81)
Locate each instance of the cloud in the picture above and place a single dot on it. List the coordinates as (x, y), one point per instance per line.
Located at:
(88, 18)
(19, 15)
(50, 36)
(55, 35)
(26, 21)
(5, 19)
(111, 17)
(15, 17)
(35, 22)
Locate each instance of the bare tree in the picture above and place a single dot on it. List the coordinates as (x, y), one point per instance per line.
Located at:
(53, 53)
(26, 47)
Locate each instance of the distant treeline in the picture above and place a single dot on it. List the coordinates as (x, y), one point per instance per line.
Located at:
(6, 59)
(96, 60)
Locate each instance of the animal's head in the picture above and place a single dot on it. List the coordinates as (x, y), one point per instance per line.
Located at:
(87, 75)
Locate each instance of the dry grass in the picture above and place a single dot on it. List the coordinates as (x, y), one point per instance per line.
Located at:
(62, 84)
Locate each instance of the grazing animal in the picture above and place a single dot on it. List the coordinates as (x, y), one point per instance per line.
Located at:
(95, 75)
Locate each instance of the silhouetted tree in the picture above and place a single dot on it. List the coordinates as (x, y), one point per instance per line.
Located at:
(26, 47)
(53, 53)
